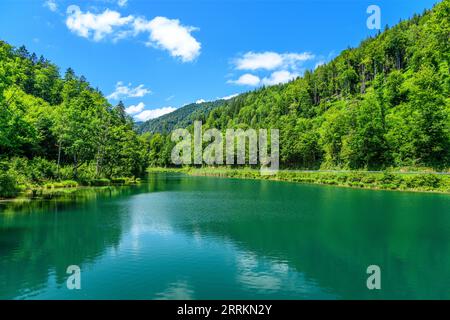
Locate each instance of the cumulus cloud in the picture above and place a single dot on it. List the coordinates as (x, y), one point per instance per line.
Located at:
(200, 101)
(283, 67)
(135, 108)
(126, 91)
(51, 5)
(246, 80)
(271, 60)
(94, 26)
(278, 77)
(170, 35)
(152, 114)
(163, 33)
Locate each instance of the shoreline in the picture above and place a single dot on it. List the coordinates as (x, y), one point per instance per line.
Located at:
(419, 182)
(46, 193)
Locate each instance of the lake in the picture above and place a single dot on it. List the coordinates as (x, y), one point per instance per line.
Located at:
(184, 237)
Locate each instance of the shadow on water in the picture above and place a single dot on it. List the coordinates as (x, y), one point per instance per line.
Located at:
(330, 234)
(40, 238)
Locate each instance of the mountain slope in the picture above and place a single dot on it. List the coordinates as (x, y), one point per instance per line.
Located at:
(55, 127)
(385, 103)
(180, 118)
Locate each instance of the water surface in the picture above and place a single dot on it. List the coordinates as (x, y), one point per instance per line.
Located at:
(182, 237)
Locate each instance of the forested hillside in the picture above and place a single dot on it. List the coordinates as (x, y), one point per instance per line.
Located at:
(180, 118)
(55, 128)
(383, 104)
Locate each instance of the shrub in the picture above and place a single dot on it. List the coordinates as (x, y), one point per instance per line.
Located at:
(354, 178)
(36, 170)
(424, 181)
(342, 178)
(100, 182)
(8, 185)
(66, 173)
(48, 185)
(390, 179)
(118, 180)
(69, 184)
(368, 179)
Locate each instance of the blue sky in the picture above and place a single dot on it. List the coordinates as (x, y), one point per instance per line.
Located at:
(158, 55)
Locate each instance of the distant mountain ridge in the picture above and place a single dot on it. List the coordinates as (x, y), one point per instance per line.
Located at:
(180, 118)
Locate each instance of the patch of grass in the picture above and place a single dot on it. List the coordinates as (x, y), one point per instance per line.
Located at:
(387, 180)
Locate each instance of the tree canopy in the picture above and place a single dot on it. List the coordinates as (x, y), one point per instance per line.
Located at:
(383, 104)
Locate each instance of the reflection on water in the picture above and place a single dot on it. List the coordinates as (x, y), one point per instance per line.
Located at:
(180, 237)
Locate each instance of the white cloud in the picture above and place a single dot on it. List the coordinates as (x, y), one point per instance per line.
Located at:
(163, 33)
(51, 5)
(200, 101)
(283, 67)
(135, 108)
(246, 80)
(271, 60)
(278, 77)
(126, 91)
(170, 35)
(231, 96)
(94, 26)
(254, 61)
(122, 3)
(152, 114)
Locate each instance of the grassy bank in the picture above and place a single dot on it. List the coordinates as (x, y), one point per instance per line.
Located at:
(22, 176)
(51, 189)
(386, 180)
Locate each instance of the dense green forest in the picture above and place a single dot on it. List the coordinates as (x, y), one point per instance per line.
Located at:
(383, 104)
(55, 128)
(180, 118)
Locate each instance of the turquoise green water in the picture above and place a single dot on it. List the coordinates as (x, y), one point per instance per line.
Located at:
(181, 237)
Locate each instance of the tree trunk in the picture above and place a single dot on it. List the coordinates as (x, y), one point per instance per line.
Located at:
(97, 166)
(59, 158)
(75, 166)
(363, 83)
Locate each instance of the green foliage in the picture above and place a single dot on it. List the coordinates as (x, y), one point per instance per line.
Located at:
(383, 104)
(386, 180)
(8, 184)
(100, 182)
(55, 128)
(119, 180)
(180, 118)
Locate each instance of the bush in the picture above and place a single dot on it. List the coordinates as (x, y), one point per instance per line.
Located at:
(100, 182)
(8, 185)
(354, 178)
(48, 185)
(368, 179)
(427, 181)
(119, 180)
(66, 173)
(36, 170)
(69, 184)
